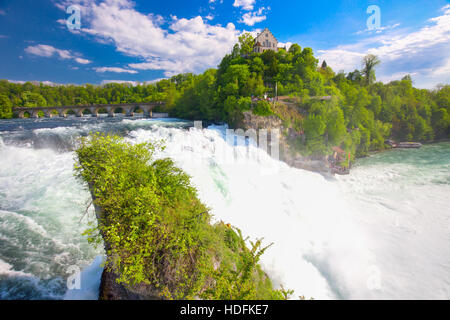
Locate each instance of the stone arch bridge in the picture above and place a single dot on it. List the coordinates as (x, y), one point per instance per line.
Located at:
(129, 109)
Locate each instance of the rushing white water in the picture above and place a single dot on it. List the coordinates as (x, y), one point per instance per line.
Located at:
(381, 232)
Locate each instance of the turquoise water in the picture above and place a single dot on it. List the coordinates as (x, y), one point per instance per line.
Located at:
(382, 232)
(403, 200)
(429, 164)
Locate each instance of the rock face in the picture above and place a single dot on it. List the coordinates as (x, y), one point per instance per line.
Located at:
(111, 290)
(287, 154)
(258, 122)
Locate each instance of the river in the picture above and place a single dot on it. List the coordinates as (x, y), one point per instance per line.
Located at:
(381, 232)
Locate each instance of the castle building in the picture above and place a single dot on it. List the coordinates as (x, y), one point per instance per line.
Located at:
(265, 41)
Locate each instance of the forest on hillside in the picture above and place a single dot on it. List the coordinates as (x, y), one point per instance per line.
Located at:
(361, 114)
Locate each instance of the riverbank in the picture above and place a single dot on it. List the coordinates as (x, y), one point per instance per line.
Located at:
(325, 165)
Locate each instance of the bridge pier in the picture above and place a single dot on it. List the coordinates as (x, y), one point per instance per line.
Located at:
(62, 113)
(94, 112)
(110, 112)
(147, 111)
(79, 113)
(129, 111)
(35, 114)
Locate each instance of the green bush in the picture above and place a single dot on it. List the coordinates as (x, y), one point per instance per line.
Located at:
(156, 231)
(262, 108)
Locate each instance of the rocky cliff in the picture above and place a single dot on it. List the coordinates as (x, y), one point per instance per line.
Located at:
(287, 138)
(159, 240)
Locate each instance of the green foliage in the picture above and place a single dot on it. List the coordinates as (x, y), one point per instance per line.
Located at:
(336, 128)
(33, 99)
(156, 230)
(262, 108)
(370, 62)
(5, 107)
(246, 42)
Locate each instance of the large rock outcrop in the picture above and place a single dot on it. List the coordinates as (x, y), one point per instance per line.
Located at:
(287, 136)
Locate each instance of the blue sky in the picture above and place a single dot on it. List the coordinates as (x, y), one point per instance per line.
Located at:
(124, 40)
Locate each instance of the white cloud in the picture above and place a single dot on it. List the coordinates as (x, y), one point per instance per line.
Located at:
(47, 51)
(283, 45)
(188, 45)
(245, 4)
(114, 69)
(82, 61)
(44, 50)
(133, 83)
(424, 53)
(250, 18)
(443, 70)
(17, 81)
(35, 82)
(340, 58)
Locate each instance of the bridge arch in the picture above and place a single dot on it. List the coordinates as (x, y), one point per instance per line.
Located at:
(117, 110)
(24, 114)
(102, 110)
(70, 112)
(86, 111)
(36, 113)
(138, 109)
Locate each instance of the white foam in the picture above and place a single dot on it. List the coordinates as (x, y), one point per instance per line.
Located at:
(7, 270)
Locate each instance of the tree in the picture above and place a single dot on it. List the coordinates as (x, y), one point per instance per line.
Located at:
(441, 122)
(5, 107)
(32, 99)
(271, 62)
(355, 76)
(369, 63)
(246, 42)
(295, 49)
(314, 126)
(407, 78)
(336, 126)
